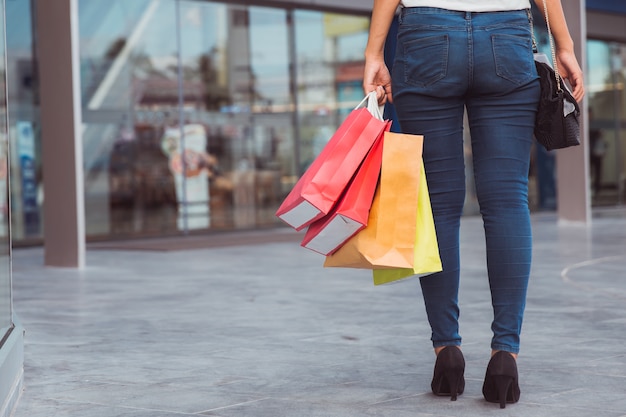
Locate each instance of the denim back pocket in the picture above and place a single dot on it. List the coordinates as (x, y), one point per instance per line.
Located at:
(425, 60)
(513, 57)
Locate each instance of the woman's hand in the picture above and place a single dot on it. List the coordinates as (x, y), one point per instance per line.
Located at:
(376, 78)
(565, 58)
(570, 70)
(376, 75)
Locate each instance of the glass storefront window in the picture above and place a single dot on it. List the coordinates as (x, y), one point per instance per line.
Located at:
(238, 57)
(193, 116)
(606, 81)
(329, 62)
(6, 321)
(23, 127)
(129, 90)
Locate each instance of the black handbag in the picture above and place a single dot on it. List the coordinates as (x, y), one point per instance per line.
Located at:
(557, 124)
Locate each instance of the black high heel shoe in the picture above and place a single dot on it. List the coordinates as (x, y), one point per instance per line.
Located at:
(448, 375)
(501, 380)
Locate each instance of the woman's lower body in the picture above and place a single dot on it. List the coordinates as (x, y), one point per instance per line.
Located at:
(448, 63)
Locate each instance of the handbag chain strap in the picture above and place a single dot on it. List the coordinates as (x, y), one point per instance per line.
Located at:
(557, 76)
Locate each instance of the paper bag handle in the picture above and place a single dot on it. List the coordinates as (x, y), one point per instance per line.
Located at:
(371, 102)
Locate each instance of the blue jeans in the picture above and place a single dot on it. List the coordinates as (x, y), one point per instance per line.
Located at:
(447, 62)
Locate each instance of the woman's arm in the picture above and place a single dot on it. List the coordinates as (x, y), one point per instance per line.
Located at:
(566, 59)
(376, 75)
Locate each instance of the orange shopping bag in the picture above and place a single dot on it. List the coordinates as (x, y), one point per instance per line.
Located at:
(426, 259)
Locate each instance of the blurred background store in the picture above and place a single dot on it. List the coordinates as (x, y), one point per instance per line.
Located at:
(201, 115)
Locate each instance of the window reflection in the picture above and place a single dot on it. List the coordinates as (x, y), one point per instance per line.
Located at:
(24, 124)
(5, 235)
(607, 121)
(240, 59)
(129, 69)
(269, 60)
(190, 109)
(330, 69)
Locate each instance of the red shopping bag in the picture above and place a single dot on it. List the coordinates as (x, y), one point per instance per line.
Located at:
(350, 215)
(320, 187)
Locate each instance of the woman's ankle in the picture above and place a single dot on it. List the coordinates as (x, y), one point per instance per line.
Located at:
(493, 352)
(440, 348)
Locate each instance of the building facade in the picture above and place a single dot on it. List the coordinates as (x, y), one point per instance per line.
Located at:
(201, 115)
(195, 115)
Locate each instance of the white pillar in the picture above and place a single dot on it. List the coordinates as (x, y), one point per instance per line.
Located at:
(572, 164)
(61, 119)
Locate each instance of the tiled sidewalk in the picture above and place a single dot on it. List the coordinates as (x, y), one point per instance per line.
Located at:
(263, 330)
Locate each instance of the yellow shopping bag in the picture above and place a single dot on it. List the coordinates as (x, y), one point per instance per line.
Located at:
(426, 259)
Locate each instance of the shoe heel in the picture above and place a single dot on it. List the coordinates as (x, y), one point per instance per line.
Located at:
(503, 382)
(448, 376)
(454, 377)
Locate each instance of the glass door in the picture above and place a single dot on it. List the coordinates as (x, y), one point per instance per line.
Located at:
(607, 121)
(201, 115)
(5, 232)
(238, 126)
(129, 86)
